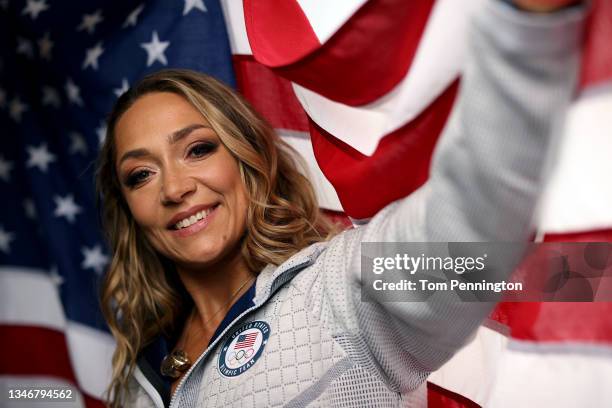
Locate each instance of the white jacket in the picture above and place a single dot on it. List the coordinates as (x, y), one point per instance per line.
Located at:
(308, 339)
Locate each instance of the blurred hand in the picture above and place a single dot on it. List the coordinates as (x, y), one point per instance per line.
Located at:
(544, 6)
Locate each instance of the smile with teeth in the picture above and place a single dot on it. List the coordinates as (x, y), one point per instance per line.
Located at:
(193, 219)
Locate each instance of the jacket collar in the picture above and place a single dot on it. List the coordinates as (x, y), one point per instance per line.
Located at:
(272, 277)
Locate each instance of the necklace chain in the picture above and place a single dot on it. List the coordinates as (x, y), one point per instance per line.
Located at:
(177, 362)
(192, 316)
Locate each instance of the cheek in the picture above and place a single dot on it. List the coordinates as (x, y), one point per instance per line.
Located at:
(241, 197)
(236, 195)
(143, 210)
(224, 174)
(242, 204)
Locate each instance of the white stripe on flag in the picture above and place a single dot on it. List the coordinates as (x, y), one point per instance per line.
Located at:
(471, 372)
(579, 194)
(498, 372)
(41, 307)
(233, 12)
(91, 354)
(326, 17)
(560, 380)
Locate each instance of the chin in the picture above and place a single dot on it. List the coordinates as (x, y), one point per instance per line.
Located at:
(202, 256)
(199, 257)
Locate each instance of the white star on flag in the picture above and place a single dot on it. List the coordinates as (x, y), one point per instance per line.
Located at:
(56, 278)
(51, 97)
(39, 157)
(5, 240)
(194, 4)
(90, 21)
(94, 259)
(91, 59)
(132, 18)
(29, 208)
(35, 7)
(45, 45)
(5, 169)
(17, 108)
(155, 50)
(66, 207)
(101, 132)
(73, 92)
(24, 47)
(124, 87)
(77, 143)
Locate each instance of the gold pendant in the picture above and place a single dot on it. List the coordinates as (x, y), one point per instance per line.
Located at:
(175, 364)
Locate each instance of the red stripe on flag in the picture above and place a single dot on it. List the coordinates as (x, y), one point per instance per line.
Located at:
(438, 397)
(597, 53)
(398, 167)
(557, 322)
(270, 94)
(31, 350)
(366, 58)
(279, 31)
(560, 322)
(601, 235)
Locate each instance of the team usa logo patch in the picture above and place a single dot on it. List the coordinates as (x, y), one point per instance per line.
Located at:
(243, 348)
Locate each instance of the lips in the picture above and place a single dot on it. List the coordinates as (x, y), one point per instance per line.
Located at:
(197, 226)
(183, 215)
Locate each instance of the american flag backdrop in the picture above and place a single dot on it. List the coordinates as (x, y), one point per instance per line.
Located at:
(360, 88)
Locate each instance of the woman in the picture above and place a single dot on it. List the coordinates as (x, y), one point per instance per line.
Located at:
(256, 211)
(220, 259)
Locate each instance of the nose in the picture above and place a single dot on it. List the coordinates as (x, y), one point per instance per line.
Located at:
(176, 187)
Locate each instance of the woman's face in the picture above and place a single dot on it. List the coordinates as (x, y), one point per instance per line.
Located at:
(180, 182)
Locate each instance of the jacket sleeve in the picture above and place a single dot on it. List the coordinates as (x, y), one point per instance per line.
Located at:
(484, 183)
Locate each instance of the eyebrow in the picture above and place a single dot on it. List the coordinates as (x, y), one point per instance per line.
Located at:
(173, 138)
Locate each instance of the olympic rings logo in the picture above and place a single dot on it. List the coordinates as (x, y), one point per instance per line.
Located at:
(243, 348)
(240, 355)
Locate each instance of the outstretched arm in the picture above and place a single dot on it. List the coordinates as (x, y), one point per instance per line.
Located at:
(485, 180)
(487, 170)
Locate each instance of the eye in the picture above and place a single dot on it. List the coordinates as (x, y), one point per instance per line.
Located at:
(137, 177)
(201, 149)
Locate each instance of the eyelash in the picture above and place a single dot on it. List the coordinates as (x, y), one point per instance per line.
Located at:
(136, 177)
(208, 146)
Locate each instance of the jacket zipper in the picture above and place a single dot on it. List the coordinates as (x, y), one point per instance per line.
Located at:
(249, 310)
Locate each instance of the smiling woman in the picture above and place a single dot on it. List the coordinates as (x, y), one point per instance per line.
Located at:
(194, 205)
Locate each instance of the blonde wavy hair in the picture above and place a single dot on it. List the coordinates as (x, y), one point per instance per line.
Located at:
(141, 294)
